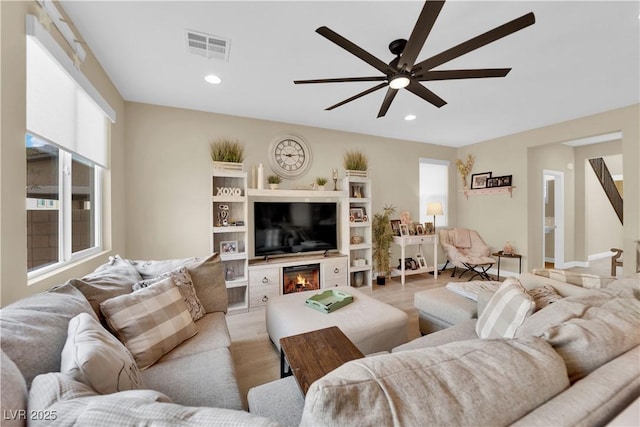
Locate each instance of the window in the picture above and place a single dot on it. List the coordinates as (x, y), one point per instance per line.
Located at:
(434, 187)
(66, 154)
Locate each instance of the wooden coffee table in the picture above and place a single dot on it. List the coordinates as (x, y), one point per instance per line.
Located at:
(312, 355)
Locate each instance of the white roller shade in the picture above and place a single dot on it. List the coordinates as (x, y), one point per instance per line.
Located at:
(59, 108)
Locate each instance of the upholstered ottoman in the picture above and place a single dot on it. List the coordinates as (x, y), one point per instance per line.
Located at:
(370, 324)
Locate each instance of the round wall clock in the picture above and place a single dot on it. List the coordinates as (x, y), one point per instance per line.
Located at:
(290, 156)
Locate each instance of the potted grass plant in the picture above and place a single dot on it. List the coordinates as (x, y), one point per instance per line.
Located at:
(274, 182)
(356, 163)
(321, 182)
(227, 154)
(382, 238)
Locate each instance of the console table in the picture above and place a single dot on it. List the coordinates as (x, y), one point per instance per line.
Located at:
(314, 354)
(419, 241)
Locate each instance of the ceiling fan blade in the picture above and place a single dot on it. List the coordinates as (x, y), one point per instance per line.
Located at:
(424, 24)
(355, 50)
(354, 97)
(388, 99)
(424, 93)
(477, 42)
(463, 74)
(345, 79)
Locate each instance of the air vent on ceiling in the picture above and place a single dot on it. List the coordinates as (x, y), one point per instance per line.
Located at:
(207, 45)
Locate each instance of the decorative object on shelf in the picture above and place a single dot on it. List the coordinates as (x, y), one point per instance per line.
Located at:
(223, 215)
(508, 248)
(382, 238)
(274, 182)
(464, 168)
(356, 240)
(334, 174)
(499, 181)
(479, 180)
(254, 177)
(356, 214)
(227, 154)
(228, 191)
(356, 191)
(229, 273)
(321, 182)
(260, 178)
(419, 229)
(405, 217)
(395, 226)
(429, 228)
(434, 208)
(358, 278)
(359, 262)
(229, 247)
(404, 230)
(409, 264)
(356, 163)
(422, 263)
(289, 156)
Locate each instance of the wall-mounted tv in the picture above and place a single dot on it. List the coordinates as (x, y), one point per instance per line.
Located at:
(282, 228)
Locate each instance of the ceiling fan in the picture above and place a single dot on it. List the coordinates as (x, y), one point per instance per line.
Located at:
(403, 72)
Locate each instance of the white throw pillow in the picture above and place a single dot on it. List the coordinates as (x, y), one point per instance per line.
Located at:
(94, 357)
(151, 321)
(506, 311)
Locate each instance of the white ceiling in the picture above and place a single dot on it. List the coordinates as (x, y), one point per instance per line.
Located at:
(579, 58)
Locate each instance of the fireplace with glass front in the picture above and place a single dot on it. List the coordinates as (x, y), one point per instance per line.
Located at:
(300, 278)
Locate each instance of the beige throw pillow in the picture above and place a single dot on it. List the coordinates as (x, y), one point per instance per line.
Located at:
(150, 322)
(506, 311)
(182, 280)
(92, 356)
(543, 296)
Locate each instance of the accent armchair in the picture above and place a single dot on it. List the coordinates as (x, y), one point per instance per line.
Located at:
(466, 250)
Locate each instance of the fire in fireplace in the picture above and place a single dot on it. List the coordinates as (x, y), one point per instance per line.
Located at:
(300, 278)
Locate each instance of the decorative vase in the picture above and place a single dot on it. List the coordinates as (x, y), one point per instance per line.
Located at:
(321, 187)
(358, 278)
(380, 280)
(227, 166)
(508, 249)
(274, 186)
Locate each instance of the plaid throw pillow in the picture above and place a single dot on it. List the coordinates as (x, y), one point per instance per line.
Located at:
(150, 322)
(506, 311)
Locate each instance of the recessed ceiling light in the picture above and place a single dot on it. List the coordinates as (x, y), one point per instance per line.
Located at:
(410, 117)
(213, 79)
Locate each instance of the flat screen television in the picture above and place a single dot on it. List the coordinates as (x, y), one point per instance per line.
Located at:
(282, 228)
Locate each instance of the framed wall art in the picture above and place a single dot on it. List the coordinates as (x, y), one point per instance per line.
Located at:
(479, 180)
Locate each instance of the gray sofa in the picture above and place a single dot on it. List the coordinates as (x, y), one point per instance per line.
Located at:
(574, 362)
(194, 383)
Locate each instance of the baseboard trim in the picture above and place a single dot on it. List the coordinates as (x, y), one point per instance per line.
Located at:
(601, 255)
(576, 264)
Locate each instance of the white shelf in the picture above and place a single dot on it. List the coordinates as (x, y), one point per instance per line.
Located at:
(354, 269)
(229, 199)
(230, 229)
(297, 193)
(360, 246)
(232, 257)
(395, 272)
(239, 307)
(363, 200)
(237, 283)
(356, 224)
(492, 190)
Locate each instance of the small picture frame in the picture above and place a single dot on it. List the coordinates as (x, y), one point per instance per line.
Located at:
(422, 263)
(479, 180)
(229, 247)
(404, 230)
(419, 229)
(428, 228)
(395, 227)
(356, 214)
(499, 181)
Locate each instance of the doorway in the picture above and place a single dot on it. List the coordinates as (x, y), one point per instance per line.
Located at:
(553, 219)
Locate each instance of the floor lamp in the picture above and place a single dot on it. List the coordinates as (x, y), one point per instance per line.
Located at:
(434, 208)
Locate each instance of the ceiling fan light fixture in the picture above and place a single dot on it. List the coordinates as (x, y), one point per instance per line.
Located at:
(213, 79)
(400, 81)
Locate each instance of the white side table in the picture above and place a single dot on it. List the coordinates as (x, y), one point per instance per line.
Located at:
(419, 241)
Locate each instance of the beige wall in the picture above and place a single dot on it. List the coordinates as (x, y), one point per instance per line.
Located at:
(501, 218)
(169, 167)
(13, 229)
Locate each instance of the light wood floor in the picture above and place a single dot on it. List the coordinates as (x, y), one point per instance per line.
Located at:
(257, 360)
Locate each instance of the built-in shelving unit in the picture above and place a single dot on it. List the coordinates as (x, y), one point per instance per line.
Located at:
(229, 218)
(359, 239)
(492, 190)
